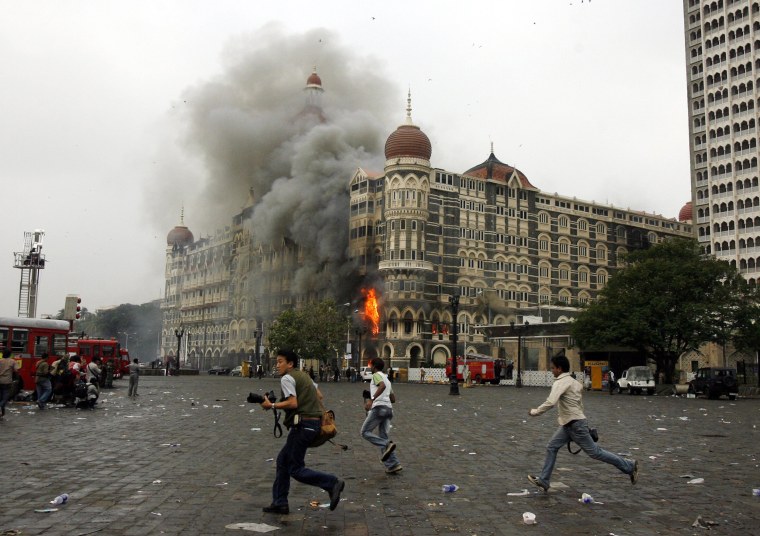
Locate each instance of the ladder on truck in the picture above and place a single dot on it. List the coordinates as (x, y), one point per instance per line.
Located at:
(30, 262)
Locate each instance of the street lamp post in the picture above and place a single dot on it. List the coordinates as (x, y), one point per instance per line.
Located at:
(179, 333)
(360, 331)
(518, 380)
(257, 352)
(454, 386)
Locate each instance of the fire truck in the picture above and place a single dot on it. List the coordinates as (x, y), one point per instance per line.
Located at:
(482, 368)
(29, 338)
(109, 350)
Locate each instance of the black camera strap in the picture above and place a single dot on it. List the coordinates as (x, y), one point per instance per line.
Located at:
(277, 427)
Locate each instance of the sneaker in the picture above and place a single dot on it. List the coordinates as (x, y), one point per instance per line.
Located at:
(395, 469)
(388, 451)
(537, 481)
(335, 493)
(635, 473)
(276, 509)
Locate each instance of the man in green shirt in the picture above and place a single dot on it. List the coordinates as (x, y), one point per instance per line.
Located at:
(303, 415)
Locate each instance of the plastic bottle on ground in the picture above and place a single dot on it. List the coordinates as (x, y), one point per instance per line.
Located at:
(450, 488)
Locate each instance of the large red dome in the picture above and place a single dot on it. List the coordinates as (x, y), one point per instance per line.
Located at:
(408, 140)
(180, 236)
(685, 214)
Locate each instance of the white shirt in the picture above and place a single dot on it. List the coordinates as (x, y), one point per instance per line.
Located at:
(385, 397)
(566, 394)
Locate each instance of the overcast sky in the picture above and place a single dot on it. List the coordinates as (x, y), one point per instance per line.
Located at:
(588, 99)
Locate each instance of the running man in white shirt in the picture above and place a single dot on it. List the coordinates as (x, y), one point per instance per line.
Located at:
(379, 414)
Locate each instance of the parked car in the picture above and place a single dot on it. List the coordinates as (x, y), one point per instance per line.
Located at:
(237, 371)
(366, 374)
(637, 380)
(219, 371)
(715, 382)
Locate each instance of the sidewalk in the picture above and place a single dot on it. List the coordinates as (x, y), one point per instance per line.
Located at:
(190, 456)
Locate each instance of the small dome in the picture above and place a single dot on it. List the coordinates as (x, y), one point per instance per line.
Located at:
(314, 80)
(494, 169)
(685, 214)
(408, 140)
(180, 236)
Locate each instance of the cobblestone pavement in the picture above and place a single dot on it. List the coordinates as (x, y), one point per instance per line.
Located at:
(190, 456)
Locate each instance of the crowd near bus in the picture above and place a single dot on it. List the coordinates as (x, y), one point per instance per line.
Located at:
(76, 366)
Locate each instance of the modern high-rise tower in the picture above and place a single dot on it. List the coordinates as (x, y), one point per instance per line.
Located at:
(723, 62)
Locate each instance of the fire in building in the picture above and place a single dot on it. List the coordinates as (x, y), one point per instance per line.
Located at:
(417, 236)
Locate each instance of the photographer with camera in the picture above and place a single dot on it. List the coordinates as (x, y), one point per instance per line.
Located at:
(378, 404)
(566, 393)
(301, 402)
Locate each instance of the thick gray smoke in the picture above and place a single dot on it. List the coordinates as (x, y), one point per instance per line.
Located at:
(248, 129)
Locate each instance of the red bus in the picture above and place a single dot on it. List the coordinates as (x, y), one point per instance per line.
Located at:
(29, 338)
(482, 368)
(107, 350)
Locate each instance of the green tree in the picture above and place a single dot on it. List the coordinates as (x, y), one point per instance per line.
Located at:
(315, 331)
(746, 338)
(666, 300)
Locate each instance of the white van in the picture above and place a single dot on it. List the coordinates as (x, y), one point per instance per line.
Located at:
(366, 374)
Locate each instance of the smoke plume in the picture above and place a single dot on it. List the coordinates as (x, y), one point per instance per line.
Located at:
(247, 129)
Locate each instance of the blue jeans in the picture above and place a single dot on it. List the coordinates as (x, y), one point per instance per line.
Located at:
(578, 432)
(290, 463)
(380, 417)
(44, 391)
(5, 394)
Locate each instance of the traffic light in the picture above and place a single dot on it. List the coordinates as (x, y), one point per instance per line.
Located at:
(72, 309)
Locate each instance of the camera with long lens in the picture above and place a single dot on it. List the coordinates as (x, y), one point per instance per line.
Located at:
(255, 398)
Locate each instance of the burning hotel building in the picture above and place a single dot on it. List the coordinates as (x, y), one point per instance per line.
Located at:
(417, 235)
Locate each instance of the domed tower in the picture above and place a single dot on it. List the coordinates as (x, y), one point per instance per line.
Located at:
(405, 268)
(407, 189)
(313, 91)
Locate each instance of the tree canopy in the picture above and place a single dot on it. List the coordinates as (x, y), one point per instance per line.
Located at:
(316, 331)
(666, 300)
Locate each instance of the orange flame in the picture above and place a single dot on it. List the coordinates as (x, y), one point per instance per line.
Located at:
(371, 314)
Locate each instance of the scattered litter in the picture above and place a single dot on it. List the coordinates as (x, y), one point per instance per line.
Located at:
(61, 499)
(46, 510)
(696, 481)
(269, 460)
(252, 527)
(156, 513)
(170, 444)
(624, 454)
(588, 499)
(156, 482)
(222, 400)
(653, 457)
(523, 493)
(703, 523)
(686, 476)
(222, 484)
(439, 405)
(684, 418)
(255, 429)
(449, 488)
(472, 453)
(529, 518)
(756, 492)
(662, 429)
(217, 406)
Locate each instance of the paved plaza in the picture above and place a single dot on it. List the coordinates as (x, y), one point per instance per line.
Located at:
(190, 456)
